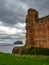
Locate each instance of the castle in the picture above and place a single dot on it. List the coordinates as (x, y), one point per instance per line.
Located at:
(37, 30)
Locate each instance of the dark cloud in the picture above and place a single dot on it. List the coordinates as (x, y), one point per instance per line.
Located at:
(13, 11)
(13, 14)
(40, 5)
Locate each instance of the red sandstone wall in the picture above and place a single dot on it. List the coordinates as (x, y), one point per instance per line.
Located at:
(37, 31)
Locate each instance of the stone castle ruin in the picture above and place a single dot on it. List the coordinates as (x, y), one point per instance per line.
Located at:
(37, 30)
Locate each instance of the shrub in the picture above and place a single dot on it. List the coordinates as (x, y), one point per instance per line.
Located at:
(36, 51)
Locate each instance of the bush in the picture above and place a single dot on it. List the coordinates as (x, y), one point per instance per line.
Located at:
(37, 51)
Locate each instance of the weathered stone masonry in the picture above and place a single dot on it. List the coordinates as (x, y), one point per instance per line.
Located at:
(37, 30)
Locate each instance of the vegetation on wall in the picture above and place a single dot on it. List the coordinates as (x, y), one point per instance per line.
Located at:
(36, 51)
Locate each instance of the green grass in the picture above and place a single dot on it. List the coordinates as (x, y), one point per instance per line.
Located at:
(11, 59)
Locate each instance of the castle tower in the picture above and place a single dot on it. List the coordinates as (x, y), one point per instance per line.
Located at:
(30, 21)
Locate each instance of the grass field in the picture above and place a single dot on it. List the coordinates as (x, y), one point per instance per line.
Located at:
(11, 59)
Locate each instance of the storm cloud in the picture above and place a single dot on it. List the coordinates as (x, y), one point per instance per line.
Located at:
(13, 14)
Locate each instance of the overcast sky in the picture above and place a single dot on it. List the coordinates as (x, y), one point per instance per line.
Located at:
(12, 17)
